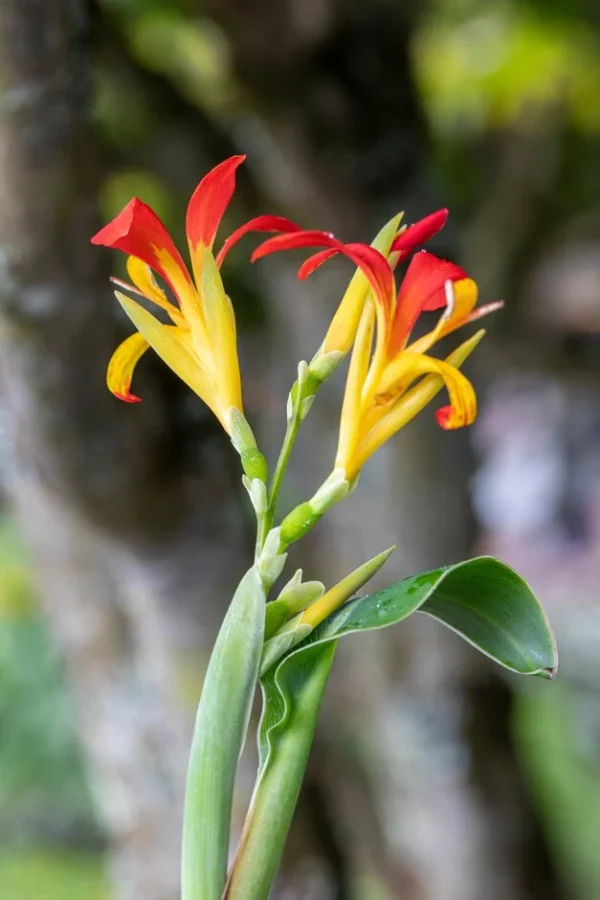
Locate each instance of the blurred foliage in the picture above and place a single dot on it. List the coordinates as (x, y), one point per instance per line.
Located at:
(43, 789)
(51, 876)
(564, 777)
(482, 66)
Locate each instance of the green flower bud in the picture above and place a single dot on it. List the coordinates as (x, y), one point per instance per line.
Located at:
(298, 523)
(254, 464)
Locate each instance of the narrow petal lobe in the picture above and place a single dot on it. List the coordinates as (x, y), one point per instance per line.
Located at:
(274, 224)
(122, 364)
(209, 202)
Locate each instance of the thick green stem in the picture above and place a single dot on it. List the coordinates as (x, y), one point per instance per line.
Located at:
(278, 787)
(219, 734)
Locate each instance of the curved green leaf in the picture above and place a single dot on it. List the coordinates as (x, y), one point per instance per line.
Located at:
(483, 600)
(292, 694)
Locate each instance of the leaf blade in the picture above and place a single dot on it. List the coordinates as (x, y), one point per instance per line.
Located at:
(501, 616)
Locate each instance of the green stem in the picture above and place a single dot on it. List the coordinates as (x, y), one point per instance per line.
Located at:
(219, 734)
(291, 433)
(276, 793)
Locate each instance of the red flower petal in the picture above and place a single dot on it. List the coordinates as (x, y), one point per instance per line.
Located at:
(138, 231)
(209, 202)
(420, 232)
(128, 398)
(260, 223)
(295, 241)
(422, 289)
(372, 263)
(313, 262)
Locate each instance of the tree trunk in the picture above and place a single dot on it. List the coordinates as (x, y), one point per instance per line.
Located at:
(117, 526)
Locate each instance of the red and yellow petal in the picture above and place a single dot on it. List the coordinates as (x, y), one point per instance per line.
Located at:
(412, 402)
(209, 202)
(119, 373)
(344, 325)
(422, 289)
(138, 231)
(409, 366)
(266, 223)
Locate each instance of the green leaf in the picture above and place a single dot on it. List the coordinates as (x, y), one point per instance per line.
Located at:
(482, 599)
(219, 734)
(292, 694)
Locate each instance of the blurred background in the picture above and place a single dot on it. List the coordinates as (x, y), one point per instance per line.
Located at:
(434, 775)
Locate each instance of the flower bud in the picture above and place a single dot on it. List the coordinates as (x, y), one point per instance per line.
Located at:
(298, 523)
(254, 464)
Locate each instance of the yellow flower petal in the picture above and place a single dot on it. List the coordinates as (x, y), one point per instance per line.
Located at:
(175, 347)
(414, 400)
(462, 299)
(190, 305)
(122, 363)
(352, 405)
(143, 278)
(220, 324)
(409, 366)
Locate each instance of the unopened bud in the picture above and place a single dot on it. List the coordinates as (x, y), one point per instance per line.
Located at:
(242, 438)
(291, 601)
(254, 464)
(298, 523)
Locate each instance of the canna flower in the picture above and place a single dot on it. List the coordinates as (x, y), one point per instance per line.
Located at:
(200, 344)
(378, 398)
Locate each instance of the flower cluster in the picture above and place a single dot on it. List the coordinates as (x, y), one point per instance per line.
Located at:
(391, 377)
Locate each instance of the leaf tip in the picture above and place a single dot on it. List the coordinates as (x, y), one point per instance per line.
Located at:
(550, 673)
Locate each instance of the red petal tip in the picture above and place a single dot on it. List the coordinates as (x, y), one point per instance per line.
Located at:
(120, 226)
(447, 419)
(128, 398)
(210, 200)
(421, 232)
